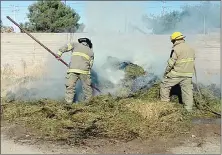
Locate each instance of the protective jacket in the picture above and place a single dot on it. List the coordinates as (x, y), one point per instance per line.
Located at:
(181, 61)
(82, 57)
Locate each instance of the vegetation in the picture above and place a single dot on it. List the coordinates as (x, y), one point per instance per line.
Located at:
(51, 16)
(123, 117)
(138, 115)
(190, 19)
(54, 16)
(102, 117)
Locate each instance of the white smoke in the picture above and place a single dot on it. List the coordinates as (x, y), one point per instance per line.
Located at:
(116, 29)
(111, 26)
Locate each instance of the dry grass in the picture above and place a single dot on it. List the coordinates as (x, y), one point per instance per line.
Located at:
(140, 115)
(103, 117)
(124, 118)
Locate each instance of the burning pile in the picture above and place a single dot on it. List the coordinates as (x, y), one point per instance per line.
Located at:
(137, 114)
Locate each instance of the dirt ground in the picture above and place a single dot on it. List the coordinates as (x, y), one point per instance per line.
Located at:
(204, 138)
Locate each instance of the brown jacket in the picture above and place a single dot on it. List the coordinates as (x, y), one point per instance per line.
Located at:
(181, 61)
(82, 57)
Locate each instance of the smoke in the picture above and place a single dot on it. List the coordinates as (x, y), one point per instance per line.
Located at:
(113, 17)
(48, 85)
(118, 33)
(204, 17)
(113, 34)
(116, 29)
(199, 18)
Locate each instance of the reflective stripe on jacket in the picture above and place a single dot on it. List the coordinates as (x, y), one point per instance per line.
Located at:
(82, 57)
(181, 61)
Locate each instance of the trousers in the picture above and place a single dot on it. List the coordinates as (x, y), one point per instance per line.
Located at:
(71, 80)
(186, 89)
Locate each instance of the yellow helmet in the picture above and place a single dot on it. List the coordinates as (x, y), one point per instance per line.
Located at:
(176, 36)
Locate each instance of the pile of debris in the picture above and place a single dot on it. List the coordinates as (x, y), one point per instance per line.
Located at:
(132, 72)
(137, 114)
(102, 117)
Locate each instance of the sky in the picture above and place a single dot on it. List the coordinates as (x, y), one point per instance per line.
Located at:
(21, 7)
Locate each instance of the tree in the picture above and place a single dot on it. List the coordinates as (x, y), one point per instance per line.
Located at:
(51, 16)
(26, 26)
(200, 17)
(197, 18)
(165, 23)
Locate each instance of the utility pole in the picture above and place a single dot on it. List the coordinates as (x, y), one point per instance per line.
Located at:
(204, 23)
(204, 20)
(126, 23)
(163, 7)
(14, 10)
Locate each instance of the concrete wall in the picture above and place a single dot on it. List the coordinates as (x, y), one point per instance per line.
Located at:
(19, 48)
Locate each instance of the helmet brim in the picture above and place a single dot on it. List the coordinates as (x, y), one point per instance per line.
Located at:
(182, 37)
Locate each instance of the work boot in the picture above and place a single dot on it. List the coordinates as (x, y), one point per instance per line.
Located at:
(68, 103)
(64, 101)
(189, 110)
(165, 100)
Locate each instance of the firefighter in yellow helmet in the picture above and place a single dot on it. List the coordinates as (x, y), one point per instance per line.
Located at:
(179, 70)
(79, 67)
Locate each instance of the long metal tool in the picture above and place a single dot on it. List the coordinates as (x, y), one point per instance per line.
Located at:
(43, 46)
(36, 40)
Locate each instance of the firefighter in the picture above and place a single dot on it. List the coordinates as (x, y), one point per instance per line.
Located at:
(79, 68)
(179, 70)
